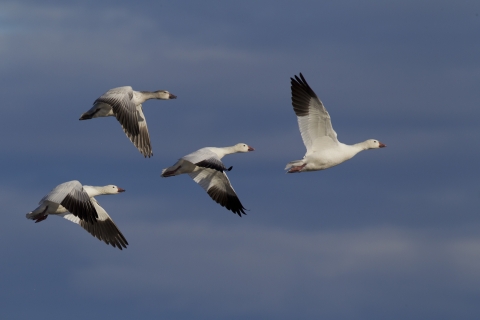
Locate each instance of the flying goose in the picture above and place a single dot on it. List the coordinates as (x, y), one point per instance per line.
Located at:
(323, 149)
(206, 168)
(76, 203)
(126, 105)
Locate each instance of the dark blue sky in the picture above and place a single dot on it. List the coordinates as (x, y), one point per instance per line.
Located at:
(390, 234)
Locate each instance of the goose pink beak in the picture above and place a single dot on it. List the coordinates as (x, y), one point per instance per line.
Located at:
(121, 190)
(381, 145)
(250, 149)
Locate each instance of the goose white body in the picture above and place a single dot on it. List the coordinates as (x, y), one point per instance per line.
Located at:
(125, 104)
(206, 168)
(76, 203)
(323, 148)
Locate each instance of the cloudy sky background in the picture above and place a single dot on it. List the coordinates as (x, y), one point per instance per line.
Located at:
(391, 234)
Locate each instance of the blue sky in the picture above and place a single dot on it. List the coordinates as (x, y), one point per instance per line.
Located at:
(391, 234)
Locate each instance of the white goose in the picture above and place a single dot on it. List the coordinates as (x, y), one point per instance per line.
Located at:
(323, 149)
(76, 203)
(206, 168)
(126, 105)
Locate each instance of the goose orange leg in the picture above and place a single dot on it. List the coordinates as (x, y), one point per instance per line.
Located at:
(297, 168)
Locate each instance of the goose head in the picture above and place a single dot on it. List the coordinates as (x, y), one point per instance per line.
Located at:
(112, 189)
(164, 95)
(243, 147)
(374, 144)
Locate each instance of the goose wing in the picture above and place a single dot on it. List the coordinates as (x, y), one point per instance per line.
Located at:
(206, 159)
(313, 119)
(141, 140)
(75, 199)
(103, 229)
(219, 188)
(123, 108)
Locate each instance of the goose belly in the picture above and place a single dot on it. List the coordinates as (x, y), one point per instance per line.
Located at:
(324, 160)
(55, 208)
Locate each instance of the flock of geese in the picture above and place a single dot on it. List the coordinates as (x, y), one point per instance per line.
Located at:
(76, 202)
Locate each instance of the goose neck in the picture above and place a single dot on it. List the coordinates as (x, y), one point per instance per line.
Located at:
(360, 146)
(146, 95)
(93, 191)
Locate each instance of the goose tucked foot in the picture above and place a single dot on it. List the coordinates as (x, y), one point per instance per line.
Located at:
(296, 168)
(170, 173)
(42, 216)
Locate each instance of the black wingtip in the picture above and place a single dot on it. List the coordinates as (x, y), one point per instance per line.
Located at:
(239, 213)
(302, 85)
(229, 169)
(239, 210)
(301, 81)
(212, 164)
(301, 76)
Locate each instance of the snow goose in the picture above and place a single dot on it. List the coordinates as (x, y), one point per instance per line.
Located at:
(206, 168)
(323, 148)
(126, 105)
(76, 203)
